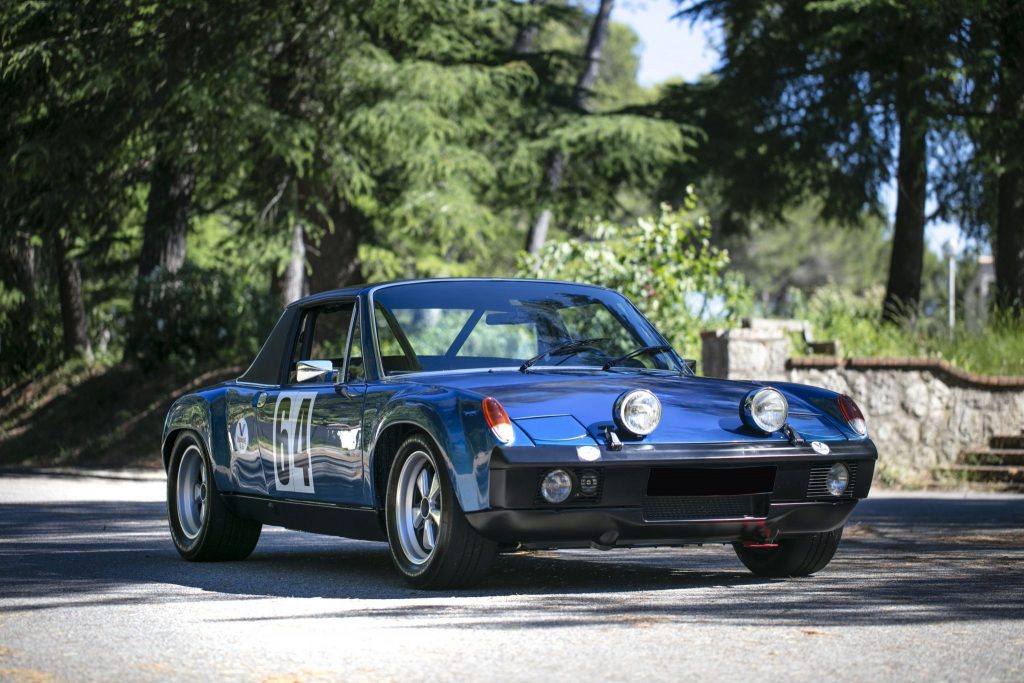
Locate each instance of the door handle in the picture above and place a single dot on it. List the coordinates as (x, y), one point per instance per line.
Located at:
(259, 400)
(350, 391)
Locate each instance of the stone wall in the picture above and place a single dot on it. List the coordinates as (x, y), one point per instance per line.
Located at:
(920, 412)
(745, 353)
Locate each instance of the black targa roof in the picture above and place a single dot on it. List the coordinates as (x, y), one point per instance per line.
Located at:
(268, 366)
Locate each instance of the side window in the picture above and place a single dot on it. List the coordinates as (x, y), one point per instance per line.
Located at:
(324, 331)
(330, 334)
(396, 354)
(356, 371)
(299, 350)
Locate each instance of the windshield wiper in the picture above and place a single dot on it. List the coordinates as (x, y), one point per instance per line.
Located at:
(642, 351)
(561, 350)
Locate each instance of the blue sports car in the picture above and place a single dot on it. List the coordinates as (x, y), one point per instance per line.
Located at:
(455, 419)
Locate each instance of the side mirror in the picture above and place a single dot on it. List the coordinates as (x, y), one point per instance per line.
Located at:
(308, 370)
(691, 365)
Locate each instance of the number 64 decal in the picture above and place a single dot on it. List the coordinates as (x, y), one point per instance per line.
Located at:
(293, 416)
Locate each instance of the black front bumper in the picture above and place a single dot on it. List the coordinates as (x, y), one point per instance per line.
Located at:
(672, 495)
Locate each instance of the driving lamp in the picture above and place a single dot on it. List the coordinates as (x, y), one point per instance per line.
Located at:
(556, 487)
(765, 410)
(838, 479)
(638, 412)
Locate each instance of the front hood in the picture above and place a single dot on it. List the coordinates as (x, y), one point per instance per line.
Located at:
(694, 409)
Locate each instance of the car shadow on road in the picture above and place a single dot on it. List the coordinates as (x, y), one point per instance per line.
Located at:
(105, 553)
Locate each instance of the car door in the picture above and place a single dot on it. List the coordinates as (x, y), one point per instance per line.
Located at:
(311, 425)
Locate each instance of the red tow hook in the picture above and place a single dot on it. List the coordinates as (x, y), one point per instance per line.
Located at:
(765, 537)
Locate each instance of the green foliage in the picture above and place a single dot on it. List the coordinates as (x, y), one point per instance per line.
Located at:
(201, 315)
(804, 104)
(616, 81)
(852, 319)
(414, 128)
(29, 344)
(837, 313)
(665, 264)
(802, 252)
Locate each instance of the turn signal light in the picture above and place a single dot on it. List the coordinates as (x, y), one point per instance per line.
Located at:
(497, 419)
(852, 415)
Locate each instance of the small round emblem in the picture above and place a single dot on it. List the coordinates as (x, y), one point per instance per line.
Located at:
(241, 435)
(820, 447)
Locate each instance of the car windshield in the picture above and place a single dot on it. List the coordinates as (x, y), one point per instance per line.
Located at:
(473, 324)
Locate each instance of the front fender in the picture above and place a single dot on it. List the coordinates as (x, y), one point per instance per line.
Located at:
(199, 413)
(823, 401)
(454, 420)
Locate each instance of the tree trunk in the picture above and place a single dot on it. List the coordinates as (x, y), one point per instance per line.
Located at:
(538, 234)
(595, 44)
(903, 291)
(72, 307)
(554, 170)
(335, 262)
(293, 282)
(164, 233)
(527, 34)
(1009, 242)
(172, 179)
(166, 228)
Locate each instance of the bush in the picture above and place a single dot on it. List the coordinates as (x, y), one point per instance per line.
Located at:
(30, 337)
(665, 264)
(199, 315)
(855, 321)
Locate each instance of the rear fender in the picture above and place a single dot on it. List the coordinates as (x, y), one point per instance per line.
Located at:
(202, 414)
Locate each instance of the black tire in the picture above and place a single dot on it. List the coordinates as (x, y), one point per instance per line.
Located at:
(797, 556)
(460, 557)
(218, 533)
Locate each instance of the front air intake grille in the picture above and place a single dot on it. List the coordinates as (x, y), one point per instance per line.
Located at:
(817, 486)
(685, 508)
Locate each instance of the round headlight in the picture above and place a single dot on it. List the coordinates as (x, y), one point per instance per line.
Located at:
(638, 412)
(838, 479)
(765, 409)
(556, 486)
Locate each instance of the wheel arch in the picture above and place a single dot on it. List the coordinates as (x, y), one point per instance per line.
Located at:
(196, 413)
(384, 451)
(464, 451)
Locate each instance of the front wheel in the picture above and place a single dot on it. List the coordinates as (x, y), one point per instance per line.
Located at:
(202, 526)
(431, 542)
(797, 556)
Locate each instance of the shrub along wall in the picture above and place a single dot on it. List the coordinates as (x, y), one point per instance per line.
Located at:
(921, 412)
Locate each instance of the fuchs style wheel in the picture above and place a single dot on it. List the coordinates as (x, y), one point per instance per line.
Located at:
(797, 556)
(202, 526)
(431, 542)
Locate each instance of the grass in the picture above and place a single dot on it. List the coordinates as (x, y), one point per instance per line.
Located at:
(997, 349)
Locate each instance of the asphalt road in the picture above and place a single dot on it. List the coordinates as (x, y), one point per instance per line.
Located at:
(926, 587)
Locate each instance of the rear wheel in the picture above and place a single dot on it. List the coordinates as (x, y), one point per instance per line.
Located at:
(797, 556)
(202, 526)
(431, 542)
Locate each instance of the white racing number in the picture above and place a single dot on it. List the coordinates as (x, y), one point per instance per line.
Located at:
(293, 416)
